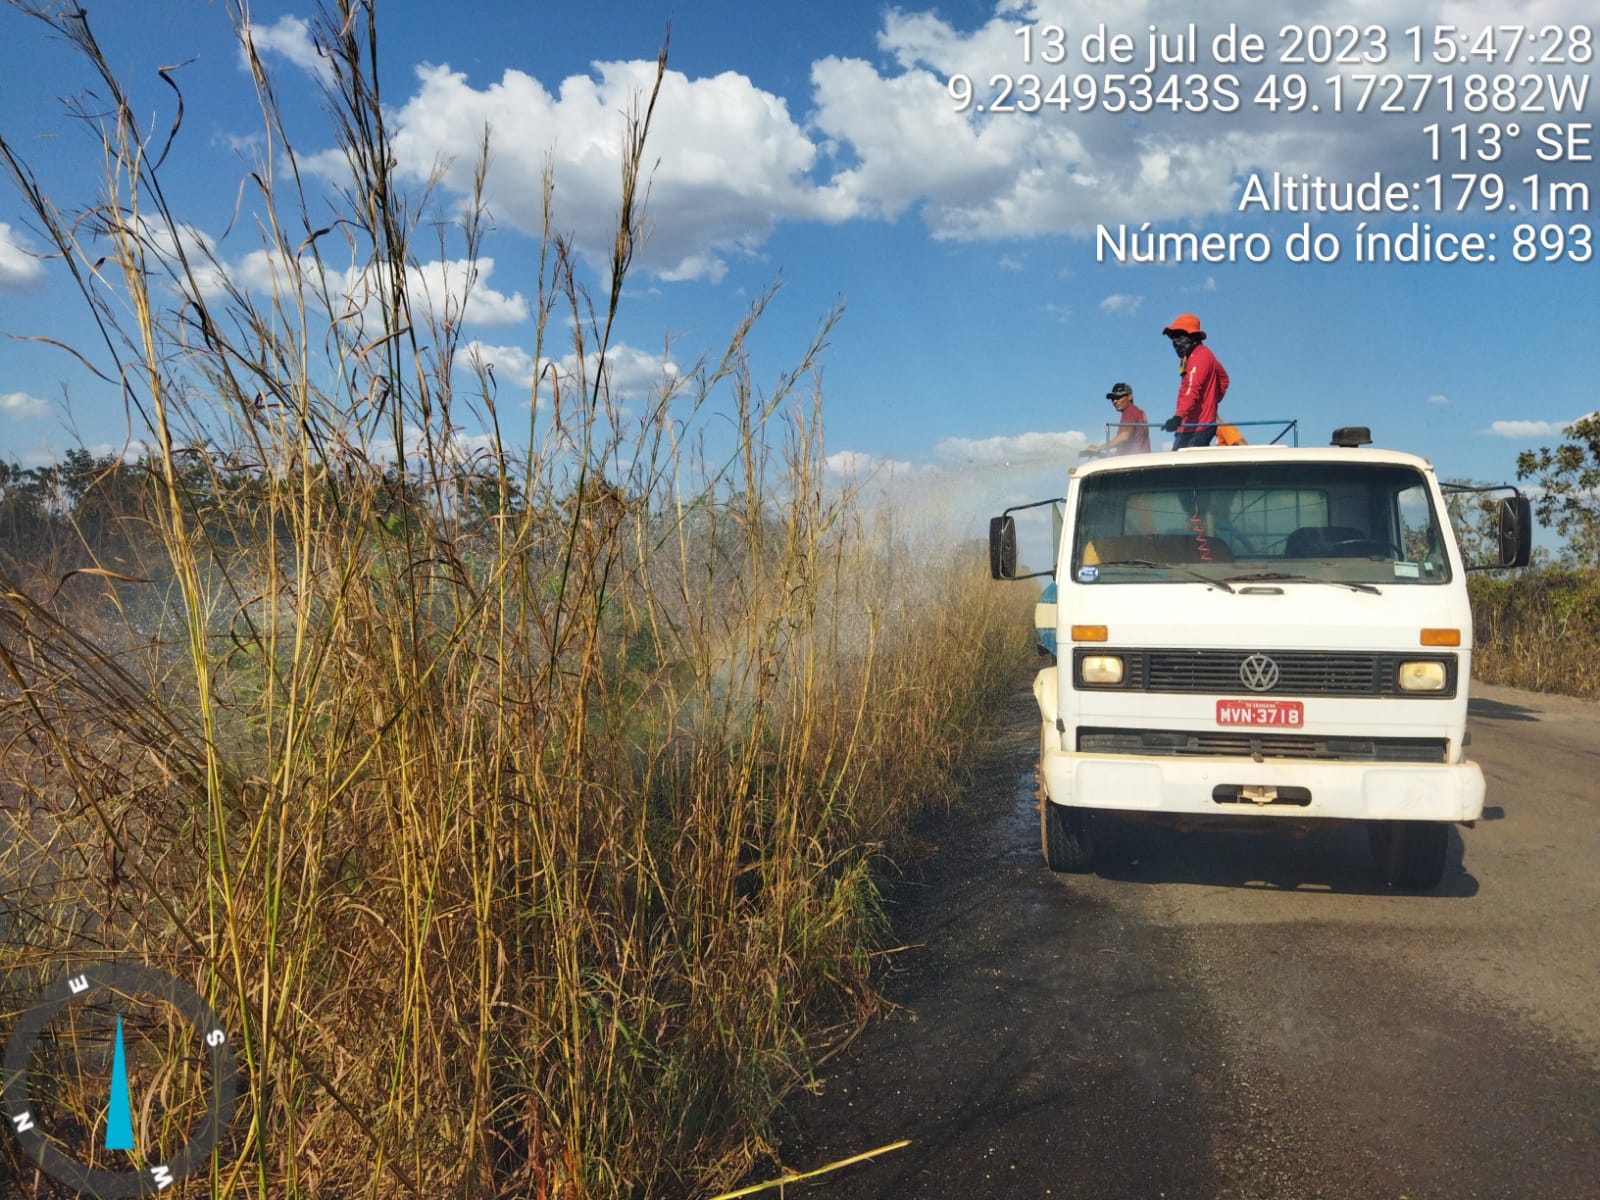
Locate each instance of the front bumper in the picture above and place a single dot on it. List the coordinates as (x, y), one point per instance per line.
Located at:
(1337, 790)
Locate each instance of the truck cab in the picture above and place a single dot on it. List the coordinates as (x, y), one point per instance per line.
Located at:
(1278, 633)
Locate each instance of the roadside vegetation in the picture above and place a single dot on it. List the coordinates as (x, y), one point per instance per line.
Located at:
(515, 799)
(1539, 627)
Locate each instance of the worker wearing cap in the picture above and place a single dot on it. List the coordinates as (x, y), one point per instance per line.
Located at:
(1202, 383)
(1134, 435)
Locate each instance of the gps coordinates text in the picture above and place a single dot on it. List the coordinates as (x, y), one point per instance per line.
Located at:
(1502, 111)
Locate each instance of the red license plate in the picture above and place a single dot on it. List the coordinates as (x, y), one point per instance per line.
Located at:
(1290, 713)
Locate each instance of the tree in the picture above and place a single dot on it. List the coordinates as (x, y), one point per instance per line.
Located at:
(1472, 516)
(1568, 478)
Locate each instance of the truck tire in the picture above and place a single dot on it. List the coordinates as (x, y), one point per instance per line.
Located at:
(1410, 854)
(1064, 834)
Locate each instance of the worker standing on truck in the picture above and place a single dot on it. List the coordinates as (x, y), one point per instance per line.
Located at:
(1134, 436)
(1202, 383)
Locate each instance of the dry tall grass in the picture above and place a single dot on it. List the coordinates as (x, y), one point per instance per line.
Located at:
(514, 803)
(1538, 629)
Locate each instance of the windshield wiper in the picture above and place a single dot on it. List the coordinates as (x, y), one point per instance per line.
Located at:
(1160, 566)
(1283, 577)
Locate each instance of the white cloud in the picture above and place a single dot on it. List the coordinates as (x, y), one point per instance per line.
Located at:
(511, 366)
(911, 145)
(968, 481)
(456, 290)
(855, 467)
(1067, 171)
(20, 269)
(435, 289)
(21, 406)
(1121, 304)
(629, 371)
(727, 160)
(996, 175)
(461, 447)
(1438, 398)
(989, 458)
(881, 139)
(246, 145)
(1013, 451)
(438, 287)
(262, 272)
(198, 249)
(289, 37)
(128, 452)
(49, 456)
(1527, 429)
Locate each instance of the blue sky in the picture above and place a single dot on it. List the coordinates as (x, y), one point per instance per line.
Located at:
(818, 147)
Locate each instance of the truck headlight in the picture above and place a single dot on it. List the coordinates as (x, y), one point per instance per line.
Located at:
(1100, 668)
(1427, 676)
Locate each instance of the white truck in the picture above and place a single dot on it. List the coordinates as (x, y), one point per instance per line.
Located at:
(1253, 634)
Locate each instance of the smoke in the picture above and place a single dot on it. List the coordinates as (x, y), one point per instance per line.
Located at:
(971, 480)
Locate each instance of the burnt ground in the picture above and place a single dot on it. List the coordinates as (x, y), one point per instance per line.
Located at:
(1230, 1016)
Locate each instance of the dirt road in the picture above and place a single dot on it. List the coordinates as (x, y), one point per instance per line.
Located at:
(1230, 1016)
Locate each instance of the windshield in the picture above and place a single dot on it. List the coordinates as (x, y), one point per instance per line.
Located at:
(1345, 523)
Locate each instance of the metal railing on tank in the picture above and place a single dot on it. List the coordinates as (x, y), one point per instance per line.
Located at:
(1287, 427)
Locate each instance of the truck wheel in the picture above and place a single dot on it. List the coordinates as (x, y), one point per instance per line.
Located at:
(1410, 854)
(1064, 833)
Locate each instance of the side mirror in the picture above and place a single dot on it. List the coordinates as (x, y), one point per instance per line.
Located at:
(1511, 518)
(1002, 547)
(1516, 531)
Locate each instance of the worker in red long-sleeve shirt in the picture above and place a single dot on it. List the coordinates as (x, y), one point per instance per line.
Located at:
(1202, 383)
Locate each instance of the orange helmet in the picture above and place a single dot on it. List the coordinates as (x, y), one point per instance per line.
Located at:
(1183, 323)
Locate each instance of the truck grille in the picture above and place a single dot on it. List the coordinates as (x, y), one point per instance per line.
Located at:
(1300, 672)
(1246, 743)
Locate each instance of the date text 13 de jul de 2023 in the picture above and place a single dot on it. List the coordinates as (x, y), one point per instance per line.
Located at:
(1477, 98)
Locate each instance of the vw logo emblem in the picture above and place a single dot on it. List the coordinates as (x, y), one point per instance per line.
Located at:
(1258, 673)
